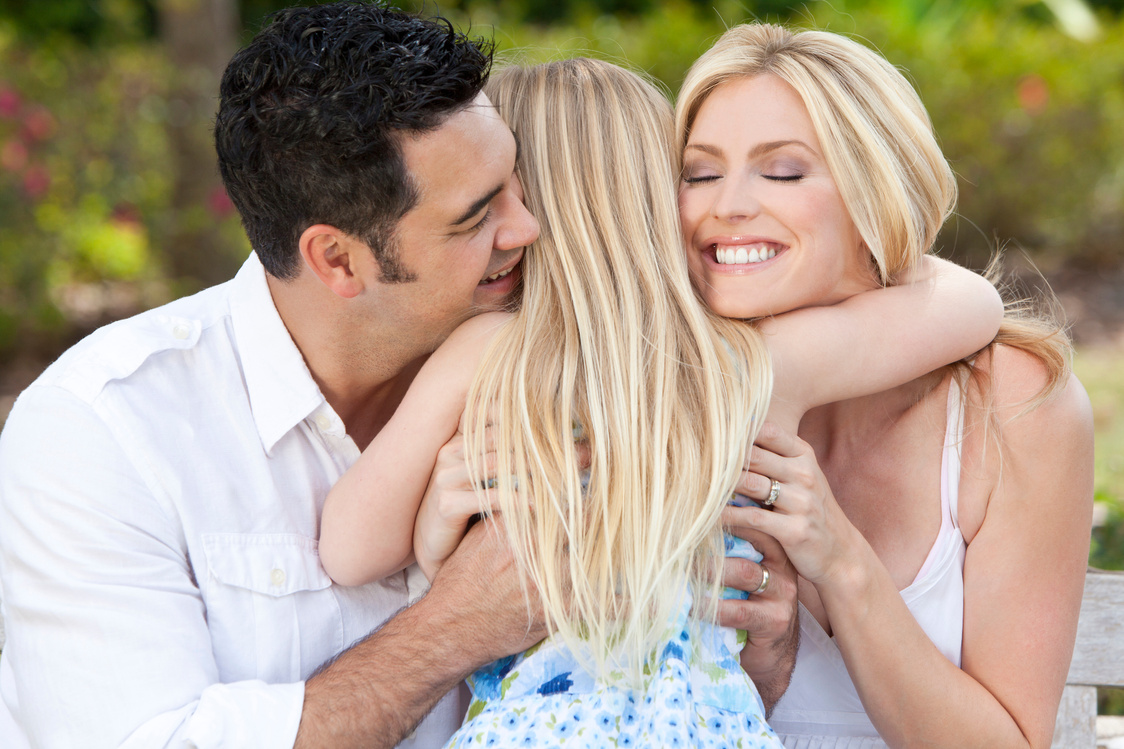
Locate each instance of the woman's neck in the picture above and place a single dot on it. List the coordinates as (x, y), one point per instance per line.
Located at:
(858, 424)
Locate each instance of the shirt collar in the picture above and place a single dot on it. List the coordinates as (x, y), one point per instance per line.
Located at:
(282, 391)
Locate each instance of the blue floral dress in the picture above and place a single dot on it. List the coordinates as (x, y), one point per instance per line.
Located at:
(694, 695)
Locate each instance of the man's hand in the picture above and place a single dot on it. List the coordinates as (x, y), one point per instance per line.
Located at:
(475, 612)
(769, 617)
(481, 583)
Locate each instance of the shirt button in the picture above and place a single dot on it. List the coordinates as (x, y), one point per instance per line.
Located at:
(323, 422)
(277, 577)
(181, 331)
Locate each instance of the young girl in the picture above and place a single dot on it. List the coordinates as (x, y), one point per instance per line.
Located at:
(610, 362)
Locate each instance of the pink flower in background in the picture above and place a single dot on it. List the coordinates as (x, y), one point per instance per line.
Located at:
(9, 102)
(126, 213)
(1033, 94)
(219, 204)
(13, 155)
(39, 124)
(36, 181)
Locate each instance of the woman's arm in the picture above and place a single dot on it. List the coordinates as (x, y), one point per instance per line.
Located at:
(367, 528)
(879, 339)
(1023, 575)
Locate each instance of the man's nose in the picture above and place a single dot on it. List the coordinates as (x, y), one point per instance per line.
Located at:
(520, 229)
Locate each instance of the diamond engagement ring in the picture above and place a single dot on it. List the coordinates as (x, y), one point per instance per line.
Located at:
(774, 494)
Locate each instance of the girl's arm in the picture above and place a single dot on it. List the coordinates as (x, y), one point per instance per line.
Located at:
(878, 339)
(367, 528)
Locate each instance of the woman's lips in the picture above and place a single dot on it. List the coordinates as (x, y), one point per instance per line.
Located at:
(735, 254)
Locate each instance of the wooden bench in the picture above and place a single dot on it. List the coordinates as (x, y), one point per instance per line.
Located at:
(1098, 660)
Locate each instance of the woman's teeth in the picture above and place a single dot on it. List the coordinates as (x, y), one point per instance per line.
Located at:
(498, 276)
(743, 255)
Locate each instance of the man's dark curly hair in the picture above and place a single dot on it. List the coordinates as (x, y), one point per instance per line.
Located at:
(311, 116)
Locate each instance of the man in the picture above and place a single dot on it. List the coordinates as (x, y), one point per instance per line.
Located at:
(161, 484)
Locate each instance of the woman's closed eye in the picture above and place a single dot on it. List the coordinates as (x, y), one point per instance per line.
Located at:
(699, 173)
(784, 169)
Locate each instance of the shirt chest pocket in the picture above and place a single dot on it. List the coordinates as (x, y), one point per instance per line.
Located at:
(271, 609)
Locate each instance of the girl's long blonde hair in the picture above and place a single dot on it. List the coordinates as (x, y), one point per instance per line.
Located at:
(879, 144)
(611, 347)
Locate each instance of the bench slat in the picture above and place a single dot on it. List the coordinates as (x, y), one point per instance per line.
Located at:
(1076, 727)
(1098, 657)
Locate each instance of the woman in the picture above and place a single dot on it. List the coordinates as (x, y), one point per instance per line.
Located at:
(610, 336)
(939, 595)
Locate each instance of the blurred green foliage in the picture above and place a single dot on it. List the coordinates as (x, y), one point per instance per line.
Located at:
(1107, 550)
(82, 176)
(1099, 370)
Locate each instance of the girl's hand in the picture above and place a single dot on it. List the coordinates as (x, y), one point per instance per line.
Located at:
(803, 515)
(449, 504)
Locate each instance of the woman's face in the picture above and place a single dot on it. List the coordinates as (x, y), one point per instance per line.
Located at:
(765, 225)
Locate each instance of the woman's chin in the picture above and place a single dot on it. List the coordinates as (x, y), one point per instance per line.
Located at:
(738, 309)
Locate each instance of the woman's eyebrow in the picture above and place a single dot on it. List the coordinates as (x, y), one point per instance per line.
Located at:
(705, 148)
(763, 148)
(759, 150)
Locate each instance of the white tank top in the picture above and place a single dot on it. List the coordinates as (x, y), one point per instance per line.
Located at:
(821, 708)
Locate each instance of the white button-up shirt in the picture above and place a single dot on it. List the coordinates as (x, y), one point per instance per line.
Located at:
(160, 495)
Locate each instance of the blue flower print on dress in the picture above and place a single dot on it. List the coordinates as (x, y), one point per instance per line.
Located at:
(695, 695)
(558, 685)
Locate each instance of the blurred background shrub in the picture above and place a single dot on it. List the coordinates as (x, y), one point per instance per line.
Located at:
(108, 191)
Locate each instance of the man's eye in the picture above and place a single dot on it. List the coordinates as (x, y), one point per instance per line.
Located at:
(480, 224)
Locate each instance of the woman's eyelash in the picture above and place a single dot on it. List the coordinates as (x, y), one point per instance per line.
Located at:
(785, 178)
(697, 180)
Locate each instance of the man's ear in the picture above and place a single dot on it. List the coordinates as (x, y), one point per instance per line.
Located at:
(336, 258)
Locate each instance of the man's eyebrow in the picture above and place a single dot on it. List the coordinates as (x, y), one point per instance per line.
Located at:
(478, 205)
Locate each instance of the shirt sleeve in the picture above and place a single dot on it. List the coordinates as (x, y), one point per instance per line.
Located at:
(107, 638)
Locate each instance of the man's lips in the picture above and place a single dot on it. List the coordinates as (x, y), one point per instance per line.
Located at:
(502, 273)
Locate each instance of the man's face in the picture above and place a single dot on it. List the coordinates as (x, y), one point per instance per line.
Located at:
(463, 240)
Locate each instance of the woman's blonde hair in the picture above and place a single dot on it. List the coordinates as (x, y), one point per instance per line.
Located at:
(878, 142)
(610, 347)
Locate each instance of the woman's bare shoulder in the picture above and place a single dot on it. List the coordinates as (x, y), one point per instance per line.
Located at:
(1020, 448)
(1014, 382)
